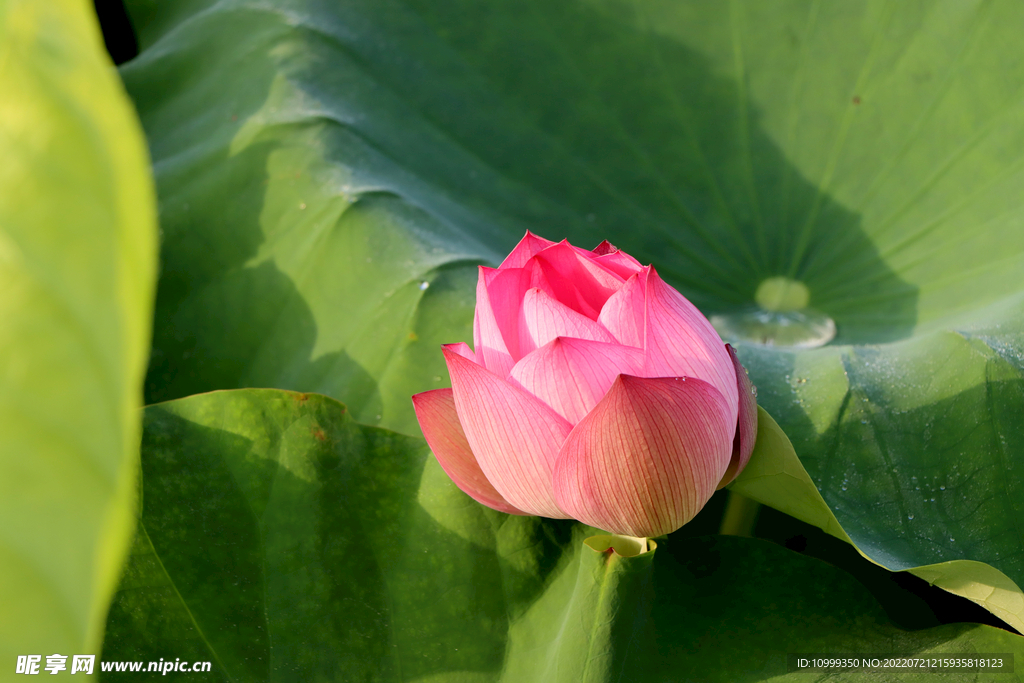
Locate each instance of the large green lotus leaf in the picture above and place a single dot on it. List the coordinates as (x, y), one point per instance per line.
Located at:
(280, 540)
(320, 163)
(77, 279)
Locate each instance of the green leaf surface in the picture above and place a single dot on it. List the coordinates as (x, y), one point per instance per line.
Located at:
(281, 540)
(320, 162)
(77, 279)
(776, 477)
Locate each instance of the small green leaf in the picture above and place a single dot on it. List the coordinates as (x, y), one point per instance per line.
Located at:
(281, 540)
(77, 278)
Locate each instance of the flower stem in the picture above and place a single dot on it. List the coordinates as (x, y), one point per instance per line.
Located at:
(740, 516)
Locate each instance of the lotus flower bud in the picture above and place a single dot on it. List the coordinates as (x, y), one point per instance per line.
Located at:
(594, 391)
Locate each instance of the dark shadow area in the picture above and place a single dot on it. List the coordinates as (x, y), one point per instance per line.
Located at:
(118, 34)
(729, 609)
(910, 602)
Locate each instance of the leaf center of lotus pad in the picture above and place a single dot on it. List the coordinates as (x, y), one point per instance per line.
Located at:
(781, 317)
(780, 294)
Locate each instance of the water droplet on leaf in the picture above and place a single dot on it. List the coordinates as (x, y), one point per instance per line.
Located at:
(800, 329)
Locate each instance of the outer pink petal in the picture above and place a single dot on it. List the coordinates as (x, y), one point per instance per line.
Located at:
(463, 350)
(435, 411)
(623, 313)
(527, 248)
(680, 342)
(491, 350)
(573, 375)
(577, 279)
(514, 435)
(543, 319)
(647, 458)
(746, 428)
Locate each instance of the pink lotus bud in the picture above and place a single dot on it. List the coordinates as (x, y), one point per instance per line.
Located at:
(595, 391)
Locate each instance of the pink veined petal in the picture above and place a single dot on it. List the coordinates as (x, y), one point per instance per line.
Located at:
(543, 319)
(491, 350)
(536, 277)
(746, 427)
(621, 263)
(527, 248)
(680, 342)
(435, 411)
(514, 435)
(605, 247)
(573, 375)
(505, 291)
(647, 458)
(576, 279)
(623, 313)
(463, 350)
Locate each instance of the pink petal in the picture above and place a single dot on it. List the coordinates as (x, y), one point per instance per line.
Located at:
(514, 436)
(576, 279)
(573, 375)
(463, 350)
(621, 263)
(505, 291)
(527, 248)
(605, 247)
(647, 458)
(491, 349)
(746, 429)
(543, 319)
(680, 342)
(435, 411)
(624, 312)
